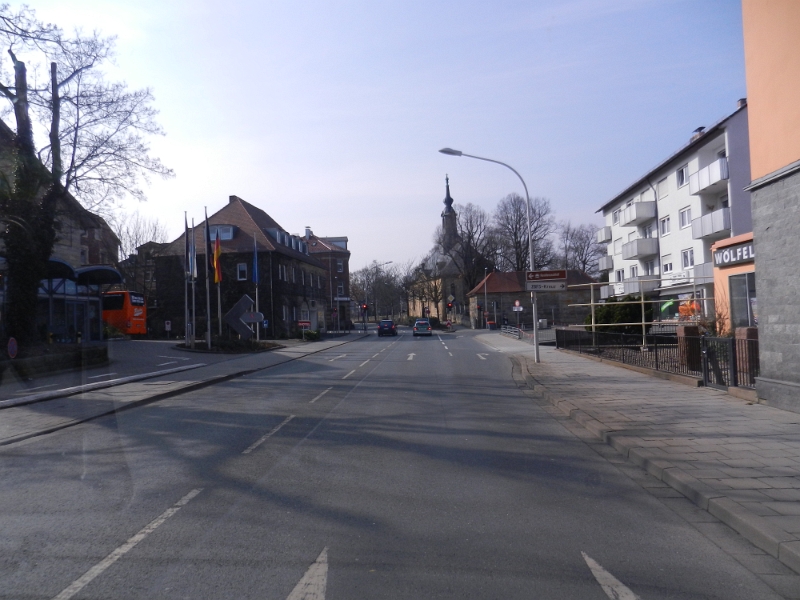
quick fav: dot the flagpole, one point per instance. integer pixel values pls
(256, 278)
(219, 308)
(186, 283)
(194, 296)
(207, 245)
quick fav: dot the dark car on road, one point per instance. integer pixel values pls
(422, 327)
(387, 327)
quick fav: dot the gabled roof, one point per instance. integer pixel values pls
(250, 222)
(513, 282)
(693, 143)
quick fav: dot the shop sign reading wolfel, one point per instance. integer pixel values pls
(734, 255)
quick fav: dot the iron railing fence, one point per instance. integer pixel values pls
(720, 362)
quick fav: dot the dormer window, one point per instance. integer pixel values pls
(225, 232)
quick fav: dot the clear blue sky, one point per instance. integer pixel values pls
(330, 114)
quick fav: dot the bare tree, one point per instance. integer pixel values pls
(97, 144)
(476, 248)
(579, 248)
(134, 230)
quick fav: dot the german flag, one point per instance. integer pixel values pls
(217, 265)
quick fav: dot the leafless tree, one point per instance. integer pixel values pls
(476, 248)
(510, 223)
(579, 248)
(134, 230)
(97, 144)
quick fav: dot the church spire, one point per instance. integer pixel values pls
(448, 201)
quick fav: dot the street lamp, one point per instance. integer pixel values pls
(451, 152)
(485, 302)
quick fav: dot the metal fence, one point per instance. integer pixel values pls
(719, 362)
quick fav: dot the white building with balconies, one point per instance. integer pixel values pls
(659, 230)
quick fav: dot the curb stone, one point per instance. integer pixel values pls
(761, 533)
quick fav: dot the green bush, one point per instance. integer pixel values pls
(614, 311)
(310, 335)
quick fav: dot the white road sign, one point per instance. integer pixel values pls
(546, 286)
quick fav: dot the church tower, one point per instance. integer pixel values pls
(449, 226)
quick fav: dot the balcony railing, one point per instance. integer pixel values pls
(640, 284)
(638, 212)
(604, 235)
(606, 291)
(640, 248)
(712, 178)
(606, 263)
(714, 224)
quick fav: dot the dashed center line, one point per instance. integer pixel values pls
(171, 362)
(321, 395)
(348, 375)
(173, 357)
(269, 435)
(446, 348)
(365, 362)
(336, 357)
(375, 355)
(450, 353)
(97, 570)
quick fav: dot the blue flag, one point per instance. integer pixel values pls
(255, 260)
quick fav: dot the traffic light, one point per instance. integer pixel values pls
(449, 306)
(480, 307)
(364, 307)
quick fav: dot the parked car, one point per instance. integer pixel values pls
(387, 327)
(422, 327)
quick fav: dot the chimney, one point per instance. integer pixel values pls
(697, 133)
(232, 199)
(309, 233)
(741, 103)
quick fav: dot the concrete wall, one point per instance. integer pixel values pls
(772, 63)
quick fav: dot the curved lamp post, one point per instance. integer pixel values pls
(451, 152)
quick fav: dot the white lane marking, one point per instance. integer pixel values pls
(336, 357)
(411, 356)
(375, 355)
(450, 353)
(446, 348)
(175, 357)
(97, 570)
(365, 362)
(171, 362)
(104, 375)
(321, 395)
(312, 585)
(348, 375)
(481, 356)
(264, 438)
(383, 349)
(612, 586)
(41, 387)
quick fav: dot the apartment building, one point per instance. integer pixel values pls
(660, 229)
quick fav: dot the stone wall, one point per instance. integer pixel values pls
(776, 229)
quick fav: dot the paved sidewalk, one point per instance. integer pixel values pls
(738, 460)
(18, 423)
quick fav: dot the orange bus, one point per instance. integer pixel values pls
(126, 311)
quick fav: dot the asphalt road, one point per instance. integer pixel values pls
(385, 468)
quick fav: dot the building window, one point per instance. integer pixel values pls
(634, 271)
(687, 258)
(664, 226)
(661, 186)
(319, 281)
(302, 276)
(225, 232)
(615, 217)
(617, 246)
(685, 217)
(723, 200)
(648, 231)
(619, 274)
(744, 311)
(340, 289)
(285, 312)
(666, 264)
(241, 271)
(339, 265)
(632, 236)
(294, 275)
(682, 175)
(304, 314)
(650, 267)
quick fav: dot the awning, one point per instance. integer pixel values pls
(98, 275)
(58, 269)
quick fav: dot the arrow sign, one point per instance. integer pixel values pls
(411, 356)
(546, 286)
(234, 317)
